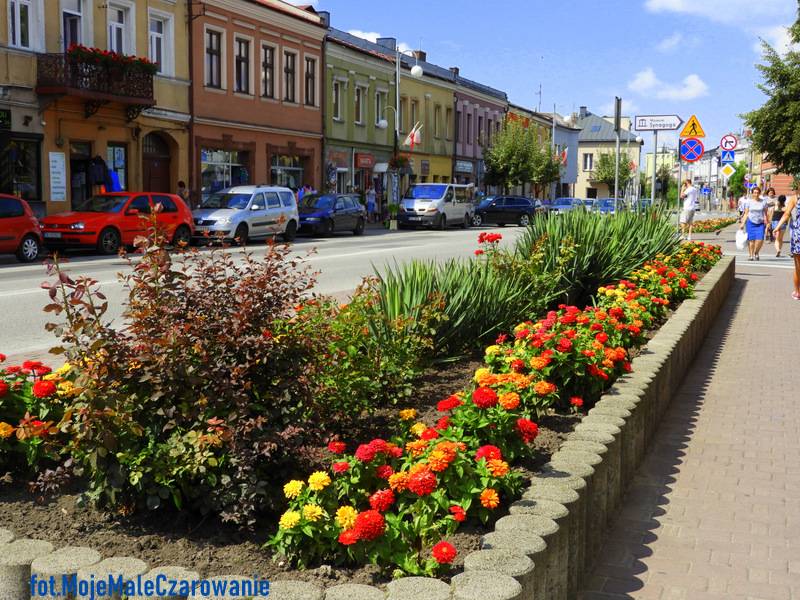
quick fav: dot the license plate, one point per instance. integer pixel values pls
(52, 234)
(415, 218)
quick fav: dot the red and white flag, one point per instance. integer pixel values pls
(414, 136)
(564, 156)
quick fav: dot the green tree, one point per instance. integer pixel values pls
(736, 181)
(545, 168)
(776, 125)
(664, 179)
(605, 172)
(517, 156)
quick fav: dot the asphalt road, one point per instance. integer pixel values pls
(342, 260)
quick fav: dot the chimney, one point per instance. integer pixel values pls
(455, 71)
(420, 55)
(583, 112)
(387, 42)
(325, 16)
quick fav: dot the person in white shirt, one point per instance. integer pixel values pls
(690, 195)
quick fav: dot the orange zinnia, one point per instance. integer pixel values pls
(490, 499)
(417, 447)
(498, 468)
(398, 481)
(438, 461)
(543, 388)
(509, 400)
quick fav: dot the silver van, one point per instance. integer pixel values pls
(437, 205)
(246, 212)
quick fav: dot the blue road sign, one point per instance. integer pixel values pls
(692, 150)
(706, 190)
(728, 157)
(749, 185)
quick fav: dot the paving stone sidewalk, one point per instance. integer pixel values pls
(714, 511)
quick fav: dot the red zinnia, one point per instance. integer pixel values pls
(564, 344)
(337, 447)
(601, 337)
(442, 424)
(348, 538)
(458, 514)
(444, 553)
(43, 389)
(3, 357)
(30, 364)
(518, 365)
(379, 445)
(429, 434)
(449, 403)
(478, 252)
(3, 388)
(369, 525)
(41, 370)
(384, 472)
(576, 401)
(528, 430)
(381, 500)
(489, 453)
(340, 467)
(365, 453)
(422, 482)
(484, 397)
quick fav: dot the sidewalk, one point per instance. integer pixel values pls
(714, 511)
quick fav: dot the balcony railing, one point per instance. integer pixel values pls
(61, 74)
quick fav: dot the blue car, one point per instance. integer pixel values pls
(607, 206)
(561, 206)
(329, 213)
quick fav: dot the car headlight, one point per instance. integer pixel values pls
(79, 225)
(311, 219)
(224, 221)
(432, 209)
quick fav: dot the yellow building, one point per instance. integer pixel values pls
(93, 111)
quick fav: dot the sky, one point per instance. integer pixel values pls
(679, 57)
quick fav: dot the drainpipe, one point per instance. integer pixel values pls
(192, 165)
(455, 137)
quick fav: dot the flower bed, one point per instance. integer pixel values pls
(711, 225)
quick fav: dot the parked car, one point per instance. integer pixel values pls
(19, 230)
(247, 212)
(437, 205)
(607, 206)
(564, 205)
(109, 221)
(328, 213)
(588, 204)
(507, 209)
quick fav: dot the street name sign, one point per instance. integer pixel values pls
(728, 157)
(693, 129)
(692, 149)
(657, 122)
(727, 170)
(729, 142)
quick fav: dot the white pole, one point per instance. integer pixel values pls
(655, 168)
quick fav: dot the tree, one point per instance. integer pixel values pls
(605, 172)
(518, 156)
(776, 125)
(736, 181)
(664, 179)
(546, 169)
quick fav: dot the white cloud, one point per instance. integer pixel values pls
(647, 84)
(742, 12)
(670, 43)
(373, 36)
(777, 37)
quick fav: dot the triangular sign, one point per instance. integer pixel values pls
(693, 129)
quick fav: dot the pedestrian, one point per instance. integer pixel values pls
(183, 193)
(775, 215)
(771, 200)
(791, 215)
(754, 221)
(371, 206)
(689, 195)
(741, 205)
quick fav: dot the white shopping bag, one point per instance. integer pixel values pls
(741, 239)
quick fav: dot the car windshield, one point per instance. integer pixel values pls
(103, 204)
(486, 202)
(317, 202)
(226, 200)
(426, 191)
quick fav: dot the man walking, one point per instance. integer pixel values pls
(690, 196)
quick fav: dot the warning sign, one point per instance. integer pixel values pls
(693, 129)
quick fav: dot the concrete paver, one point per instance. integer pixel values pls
(713, 511)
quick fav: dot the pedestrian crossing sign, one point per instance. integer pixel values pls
(728, 157)
(728, 170)
(693, 129)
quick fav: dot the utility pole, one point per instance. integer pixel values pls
(655, 168)
(617, 128)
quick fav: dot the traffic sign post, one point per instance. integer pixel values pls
(656, 123)
(729, 142)
(692, 149)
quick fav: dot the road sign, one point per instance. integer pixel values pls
(729, 142)
(706, 190)
(727, 170)
(693, 129)
(728, 157)
(658, 122)
(692, 149)
(749, 185)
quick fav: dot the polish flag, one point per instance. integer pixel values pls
(414, 136)
(564, 156)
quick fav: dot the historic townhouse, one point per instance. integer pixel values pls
(257, 96)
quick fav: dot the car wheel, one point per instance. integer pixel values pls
(109, 242)
(241, 235)
(359, 230)
(29, 249)
(477, 221)
(524, 220)
(466, 223)
(442, 224)
(182, 237)
(328, 227)
(291, 232)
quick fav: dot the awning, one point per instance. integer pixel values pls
(380, 167)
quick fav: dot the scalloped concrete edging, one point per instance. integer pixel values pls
(549, 541)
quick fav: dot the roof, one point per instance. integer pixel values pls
(560, 121)
(597, 129)
(304, 12)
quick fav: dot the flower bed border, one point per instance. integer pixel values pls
(547, 545)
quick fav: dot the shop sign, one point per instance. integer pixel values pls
(5, 119)
(425, 167)
(463, 166)
(339, 158)
(58, 177)
(364, 161)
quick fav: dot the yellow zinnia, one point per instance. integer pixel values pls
(312, 512)
(292, 489)
(289, 519)
(408, 414)
(482, 373)
(346, 517)
(418, 428)
(5, 430)
(493, 350)
(318, 481)
(64, 369)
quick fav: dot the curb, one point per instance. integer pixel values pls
(547, 545)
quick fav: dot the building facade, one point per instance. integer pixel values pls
(257, 95)
(359, 84)
(565, 145)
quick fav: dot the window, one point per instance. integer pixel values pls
(311, 81)
(160, 42)
(469, 128)
(72, 24)
(10, 208)
(488, 132)
(402, 115)
(117, 161)
(588, 162)
(20, 23)
(20, 167)
(337, 100)
(437, 118)
(222, 169)
(290, 76)
(287, 199)
(479, 133)
(458, 126)
(339, 204)
(378, 107)
(359, 108)
(140, 203)
(448, 129)
(414, 113)
(242, 81)
(213, 59)
(166, 203)
(116, 30)
(273, 201)
(267, 71)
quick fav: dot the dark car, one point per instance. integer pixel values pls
(506, 209)
(19, 229)
(328, 213)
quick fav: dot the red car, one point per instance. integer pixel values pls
(19, 229)
(109, 221)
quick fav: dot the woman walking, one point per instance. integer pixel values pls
(775, 215)
(792, 215)
(754, 221)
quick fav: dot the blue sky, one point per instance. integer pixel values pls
(661, 56)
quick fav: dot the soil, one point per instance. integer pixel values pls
(211, 547)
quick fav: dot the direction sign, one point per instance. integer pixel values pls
(693, 129)
(657, 122)
(729, 142)
(728, 157)
(727, 170)
(692, 149)
(706, 191)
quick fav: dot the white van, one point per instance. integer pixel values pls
(437, 205)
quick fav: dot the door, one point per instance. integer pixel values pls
(463, 205)
(288, 208)
(514, 208)
(155, 164)
(257, 217)
(356, 210)
(449, 205)
(168, 215)
(133, 225)
(494, 212)
(274, 213)
(341, 218)
(13, 222)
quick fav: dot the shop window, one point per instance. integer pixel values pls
(290, 76)
(311, 82)
(267, 71)
(117, 161)
(242, 83)
(287, 171)
(20, 168)
(213, 59)
(222, 169)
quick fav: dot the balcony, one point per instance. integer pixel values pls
(97, 84)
